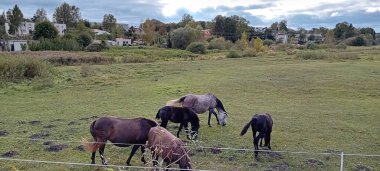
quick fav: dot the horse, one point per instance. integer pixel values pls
(202, 103)
(180, 115)
(121, 132)
(263, 124)
(170, 148)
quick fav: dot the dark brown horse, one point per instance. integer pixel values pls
(171, 149)
(263, 124)
(121, 132)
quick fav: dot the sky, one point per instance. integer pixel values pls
(260, 13)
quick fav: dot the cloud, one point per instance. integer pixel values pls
(334, 14)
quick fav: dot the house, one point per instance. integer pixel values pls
(281, 37)
(17, 45)
(206, 34)
(61, 28)
(123, 42)
(100, 32)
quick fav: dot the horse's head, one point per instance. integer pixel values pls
(193, 134)
(222, 117)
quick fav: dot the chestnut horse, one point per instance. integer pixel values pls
(171, 149)
(121, 132)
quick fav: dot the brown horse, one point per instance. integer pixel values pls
(263, 124)
(164, 144)
(121, 132)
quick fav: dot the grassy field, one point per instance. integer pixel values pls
(318, 106)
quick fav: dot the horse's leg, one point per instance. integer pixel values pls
(93, 157)
(101, 152)
(267, 141)
(216, 115)
(179, 129)
(133, 151)
(186, 126)
(142, 154)
(256, 144)
(164, 122)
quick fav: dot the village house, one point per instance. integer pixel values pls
(27, 29)
(206, 34)
(123, 42)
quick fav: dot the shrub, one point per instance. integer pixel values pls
(233, 54)
(341, 45)
(218, 43)
(249, 53)
(268, 42)
(80, 60)
(84, 39)
(95, 47)
(311, 45)
(181, 38)
(54, 44)
(45, 30)
(258, 45)
(196, 47)
(15, 69)
(312, 55)
(356, 41)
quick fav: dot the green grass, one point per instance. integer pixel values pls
(317, 106)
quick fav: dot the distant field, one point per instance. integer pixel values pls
(318, 106)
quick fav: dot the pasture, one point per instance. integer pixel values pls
(318, 106)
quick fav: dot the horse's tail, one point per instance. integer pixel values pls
(245, 128)
(176, 102)
(91, 146)
(158, 114)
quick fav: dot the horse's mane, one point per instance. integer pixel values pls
(219, 103)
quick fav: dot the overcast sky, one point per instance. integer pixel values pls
(298, 13)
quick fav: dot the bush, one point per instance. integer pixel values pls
(218, 43)
(15, 69)
(95, 47)
(45, 30)
(54, 44)
(258, 45)
(341, 45)
(233, 54)
(311, 45)
(84, 40)
(181, 38)
(313, 55)
(80, 60)
(249, 53)
(268, 42)
(357, 41)
(196, 47)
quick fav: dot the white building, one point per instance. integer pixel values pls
(281, 37)
(17, 45)
(100, 32)
(123, 42)
(61, 28)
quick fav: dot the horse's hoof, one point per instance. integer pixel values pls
(93, 162)
(209, 126)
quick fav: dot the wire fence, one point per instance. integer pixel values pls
(193, 144)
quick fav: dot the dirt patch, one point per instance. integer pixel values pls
(271, 154)
(280, 167)
(215, 150)
(3, 133)
(74, 123)
(39, 135)
(21, 122)
(9, 154)
(56, 147)
(79, 148)
(314, 162)
(48, 143)
(34, 122)
(49, 126)
(362, 168)
(57, 120)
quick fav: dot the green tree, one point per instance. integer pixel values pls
(369, 31)
(3, 33)
(45, 30)
(186, 19)
(84, 39)
(119, 32)
(344, 30)
(109, 22)
(148, 27)
(39, 16)
(180, 38)
(15, 17)
(282, 26)
(67, 14)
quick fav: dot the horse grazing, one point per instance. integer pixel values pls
(170, 148)
(121, 132)
(180, 115)
(261, 123)
(202, 103)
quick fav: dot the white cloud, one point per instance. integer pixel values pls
(372, 9)
(335, 14)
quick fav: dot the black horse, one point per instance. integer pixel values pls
(180, 115)
(261, 123)
(121, 132)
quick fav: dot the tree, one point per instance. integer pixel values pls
(282, 26)
(219, 22)
(67, 14)
(344, 30)
(3, 33)
(39, 16)
(148, 27)
(244, 40)
(119, 31)
(45, 29)
(84, 39)
(274, 26)
(15, 17)
(370, 31)
(109, 22)
(186, 19)
(180, 38)
(330, 38)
